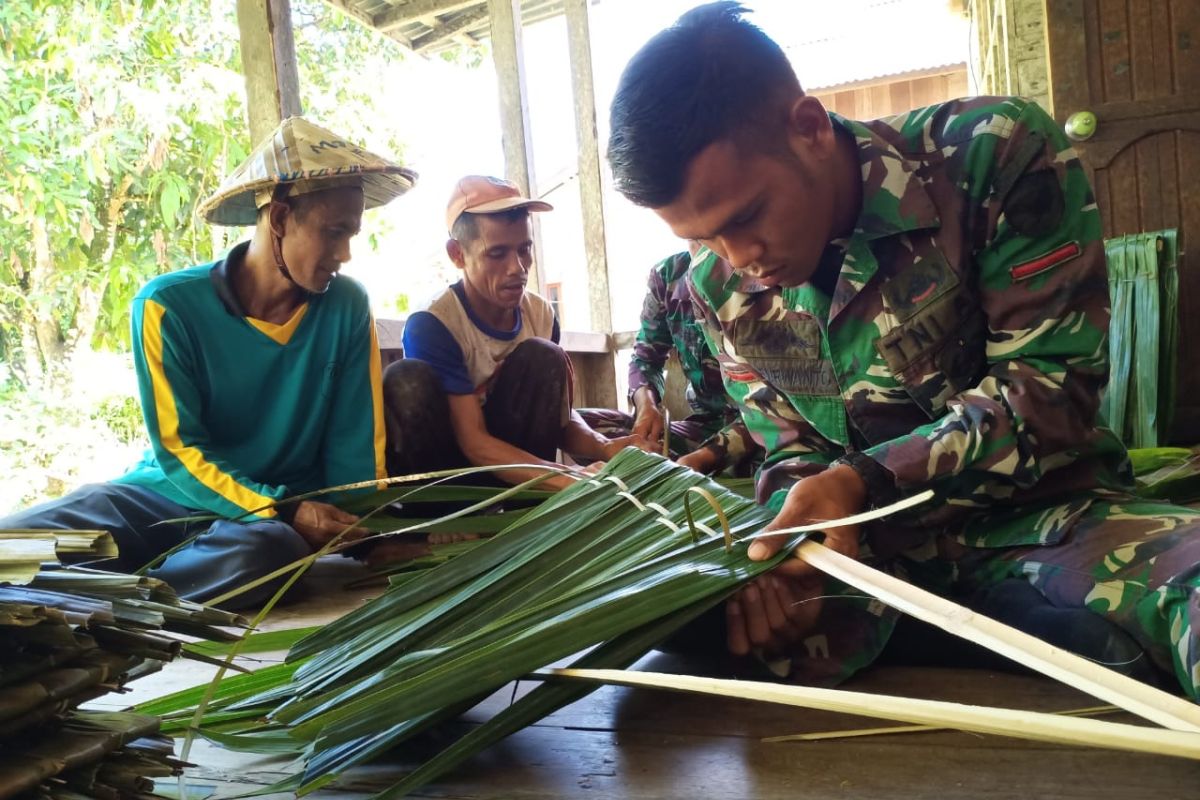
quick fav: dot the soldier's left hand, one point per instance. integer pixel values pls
(835, 493)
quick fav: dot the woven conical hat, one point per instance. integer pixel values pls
(301, 153)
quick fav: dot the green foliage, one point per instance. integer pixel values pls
(121, 116)
(55, 435)
(123, 416)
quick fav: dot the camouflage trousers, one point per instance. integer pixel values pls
(1136, 563)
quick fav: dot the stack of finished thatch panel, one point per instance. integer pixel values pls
(68, 636)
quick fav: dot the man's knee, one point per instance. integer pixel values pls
(278, 544)
(411, 383)
(539, 355)
(230, 555)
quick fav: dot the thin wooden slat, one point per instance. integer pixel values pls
(1123, 194)
(900, 96)
(1184, 20)
(1166, 176)
(1141, 24)
(855, 733)
(1114, 51)
(1090, 90)
(1120, 690)
(1150, 190)
(1160, 31)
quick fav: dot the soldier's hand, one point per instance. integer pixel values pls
(319, 522)
(703, 460)
(771, 613)
(837, 492)
(618, 444)
(648, 423)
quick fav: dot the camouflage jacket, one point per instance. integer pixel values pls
(669, 324)
(964, 346)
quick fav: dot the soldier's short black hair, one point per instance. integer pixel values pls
(466, 228)
(710, 76)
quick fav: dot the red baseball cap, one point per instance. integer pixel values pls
(482, 194)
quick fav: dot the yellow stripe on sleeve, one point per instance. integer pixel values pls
(192, 459)
(377, 402)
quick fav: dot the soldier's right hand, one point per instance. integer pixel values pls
(319, 522)
(772, 613)
(647, 417)
(648, 423)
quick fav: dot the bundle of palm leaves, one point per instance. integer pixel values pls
(611, 566)
(70, 635)
(1144, 291)
(608, 569)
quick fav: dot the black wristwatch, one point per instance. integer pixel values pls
(879, 480)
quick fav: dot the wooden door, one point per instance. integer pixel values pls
(1136, 65)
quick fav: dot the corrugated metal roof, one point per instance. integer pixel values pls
(858, 41)
(844, 41)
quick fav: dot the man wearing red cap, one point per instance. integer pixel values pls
(484, 381)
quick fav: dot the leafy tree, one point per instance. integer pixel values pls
(121, 115)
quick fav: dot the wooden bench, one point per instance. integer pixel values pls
(591, 354)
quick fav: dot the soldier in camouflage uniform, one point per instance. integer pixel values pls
(914, 302)
(668, 324)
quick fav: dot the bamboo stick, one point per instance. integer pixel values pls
(851, 733)
(1032, 725)
(1133, 696)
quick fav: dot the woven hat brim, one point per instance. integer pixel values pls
(236, 206)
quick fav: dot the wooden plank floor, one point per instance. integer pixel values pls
(631, 743)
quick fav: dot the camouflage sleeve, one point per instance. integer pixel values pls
(730, 445)
(654, 342)
(1042, 288)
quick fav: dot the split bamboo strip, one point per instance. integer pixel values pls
(1120, 690)
(854, 519)
(1031, 725)
(852, 733)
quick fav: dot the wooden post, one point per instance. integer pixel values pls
(508, 57)
(591, 192)
(269, 64)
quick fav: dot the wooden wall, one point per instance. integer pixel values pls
(883, 99)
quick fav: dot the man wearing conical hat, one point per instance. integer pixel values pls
(254, 372)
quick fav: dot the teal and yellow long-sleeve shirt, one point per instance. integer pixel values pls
(242, 412)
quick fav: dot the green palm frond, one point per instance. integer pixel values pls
(609, 565)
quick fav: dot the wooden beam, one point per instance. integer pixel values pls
(591, 193)
(349, 9)
(268, 63)
(516, 136)
(441, 31)
(412, 11)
